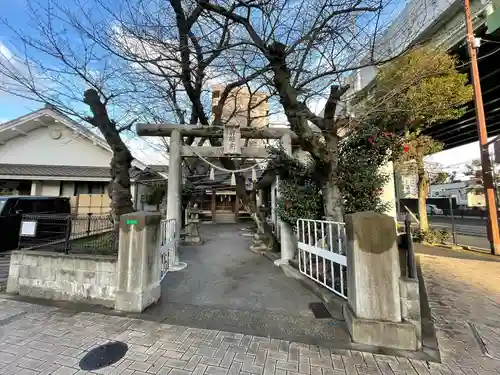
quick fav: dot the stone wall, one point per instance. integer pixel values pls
(80, 278)
(410, 304)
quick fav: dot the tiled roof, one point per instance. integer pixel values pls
(54, 170)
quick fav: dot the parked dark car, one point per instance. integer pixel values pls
(49, 212)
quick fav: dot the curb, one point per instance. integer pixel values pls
(478, 250)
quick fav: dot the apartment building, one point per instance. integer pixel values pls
(243, 106)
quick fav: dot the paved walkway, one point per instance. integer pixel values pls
(227, 287)
(223, 272)
(462, 288)
(464, 296)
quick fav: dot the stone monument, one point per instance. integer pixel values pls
(193, 227)
(374, 313)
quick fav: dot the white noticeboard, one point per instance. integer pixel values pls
(28, 228)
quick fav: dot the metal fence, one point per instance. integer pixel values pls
(322, 253)
(406, 252)
(85, 234)
(477, 213)
(167, 241)
(464, 231)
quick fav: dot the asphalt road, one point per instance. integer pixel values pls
(468, 226)
(469, 231)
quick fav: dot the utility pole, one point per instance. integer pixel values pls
(494, 236)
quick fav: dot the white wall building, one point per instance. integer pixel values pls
(462, 191)
(46, 153)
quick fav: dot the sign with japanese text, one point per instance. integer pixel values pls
(232, 140)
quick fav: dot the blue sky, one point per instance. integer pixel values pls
(11, 106)
(15, 13)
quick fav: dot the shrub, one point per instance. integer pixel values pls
(431, 236)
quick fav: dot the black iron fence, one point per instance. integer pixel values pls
(85, 234)
(478, 213)
(406, 252)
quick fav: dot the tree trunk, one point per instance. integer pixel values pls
(423, 184)
(119, 187)
(250, 206)
(121, 162)
(332, 197)
(308, 140)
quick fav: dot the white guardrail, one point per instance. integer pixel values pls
(322, 253)
(167, 241)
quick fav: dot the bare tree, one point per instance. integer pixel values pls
(127, 61)
(185, 52)
(307, 46)
(153, 61)
(48, 66)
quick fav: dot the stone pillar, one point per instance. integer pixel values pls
(236, 207)
(373, 312)
(138, 268)
(288, 241)
(36, 188)
(389, 189)
(193, 227)
(174, 206)
(214, 209)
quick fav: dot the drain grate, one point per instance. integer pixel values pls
(103, 356)
(319, 310)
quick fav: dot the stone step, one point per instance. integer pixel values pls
(225, 218)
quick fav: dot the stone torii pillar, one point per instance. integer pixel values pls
(288, 242)
(174, 196)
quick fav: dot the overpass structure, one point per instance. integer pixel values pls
(442, 22)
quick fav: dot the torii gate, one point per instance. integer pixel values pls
(232, 135)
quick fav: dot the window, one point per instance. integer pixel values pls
(25, 206)
(90, 188)
(82, 188)
(216, 94)
(45, 206)
(62, 206)
(67, 189)
(3, 202)
(97, 188)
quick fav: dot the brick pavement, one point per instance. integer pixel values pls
(48, 340)
(4, 269)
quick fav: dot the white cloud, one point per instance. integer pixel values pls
(5, 52)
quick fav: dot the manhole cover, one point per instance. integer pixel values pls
(103, 356)
(319, 310)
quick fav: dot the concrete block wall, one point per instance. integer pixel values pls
(75, 277)
(410, 303)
